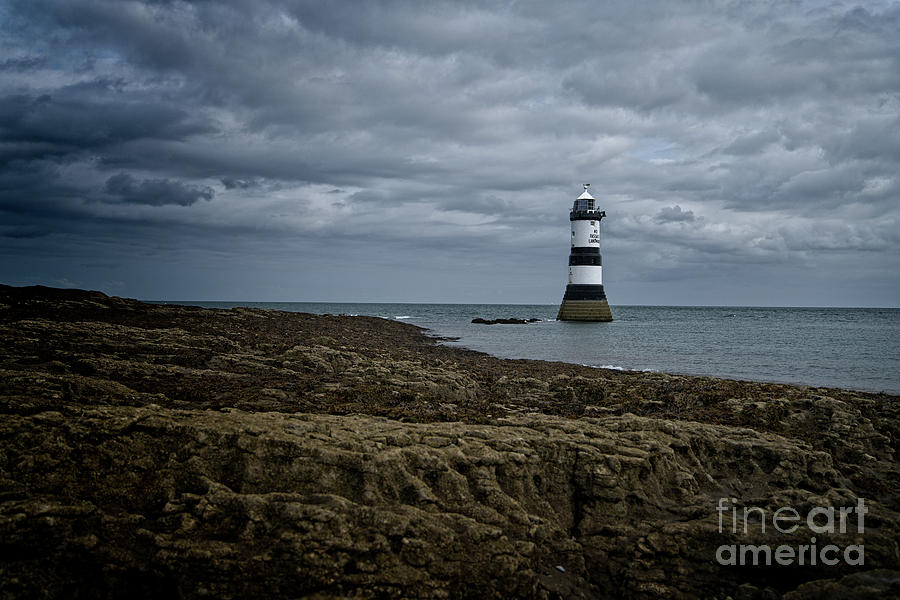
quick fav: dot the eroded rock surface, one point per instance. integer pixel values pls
(166, 451)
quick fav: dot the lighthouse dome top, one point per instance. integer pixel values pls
(585, 195)
(583, 209)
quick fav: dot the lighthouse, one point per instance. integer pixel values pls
(585, 299)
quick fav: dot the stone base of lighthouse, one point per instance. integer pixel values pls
(584, 303)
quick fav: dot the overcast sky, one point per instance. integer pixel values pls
(746, 153)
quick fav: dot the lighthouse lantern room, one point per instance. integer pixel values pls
(585, 299)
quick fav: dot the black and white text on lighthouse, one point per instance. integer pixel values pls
(585, 299)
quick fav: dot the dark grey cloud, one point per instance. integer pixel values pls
(433, 133)
(23, 232)
(155, 192)
(233, 183)
(674, 214)
(78, 120)
(23, 63)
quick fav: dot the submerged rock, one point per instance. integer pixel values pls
(506, 321)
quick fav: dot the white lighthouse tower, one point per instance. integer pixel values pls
(585, 299)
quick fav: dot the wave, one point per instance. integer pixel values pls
(618, 368)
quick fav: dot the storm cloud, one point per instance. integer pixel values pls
(155, 192)
(674, 214)
(406, 151)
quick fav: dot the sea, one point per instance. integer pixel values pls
(850, 348)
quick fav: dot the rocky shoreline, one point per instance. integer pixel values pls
(173, 451)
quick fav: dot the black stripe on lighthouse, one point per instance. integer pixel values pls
(585, 259)
(576, 291)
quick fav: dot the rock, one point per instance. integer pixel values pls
(504, 321)
(869, 585)
(169, 451)
(179, 499)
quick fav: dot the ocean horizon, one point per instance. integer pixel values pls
(856, 348)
